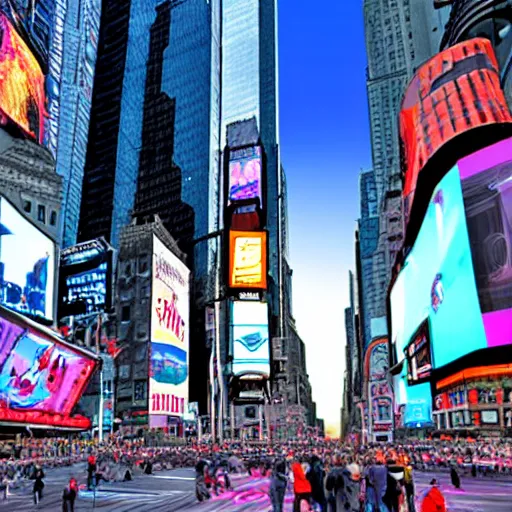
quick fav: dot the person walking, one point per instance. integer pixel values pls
(316, 477)
(409, 488)
(434, 500)
(349, 490)
(301, 486)
(37, 490)
(278, 483)
(69, 496)
(91, 470)
(376, 484)
(455, 478)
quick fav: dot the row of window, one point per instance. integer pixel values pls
(41, 213)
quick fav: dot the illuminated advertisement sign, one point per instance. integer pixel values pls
(486, 178)
(248, 260)
(419, 359)
(22, 84)
(245, 176)
(168, 383)
(250, 339)
(27, 265)
(85, 278)
(41, 377)
(457, 90)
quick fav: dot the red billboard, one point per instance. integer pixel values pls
(454, 92)
(41, 376)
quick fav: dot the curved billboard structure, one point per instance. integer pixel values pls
(452, 94)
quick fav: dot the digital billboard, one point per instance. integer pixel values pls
(453, 93)
(27, 265)
(437, 282)
(168, 383)
(250, 339)
(245, 174)
(41, 377)
(85, 278)
(248, 260)
(418, 354)
(486, 178)
(22, 84)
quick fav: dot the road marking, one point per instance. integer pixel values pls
(188, 478)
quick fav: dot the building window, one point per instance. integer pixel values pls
(53, 218)
(125, 314)
(27, 206)
(41, 213)
(139, 390)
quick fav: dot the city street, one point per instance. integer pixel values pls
(174, 491)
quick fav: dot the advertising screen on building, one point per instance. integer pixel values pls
(245, 174)
(85, 279)
(248, 260)
(486, 178)
(437, 282)
(22, 86)
(168, 383)
(419, 358)
(250, 339)
(27, 265)
(41, 377)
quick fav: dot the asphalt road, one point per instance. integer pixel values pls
(173, 491)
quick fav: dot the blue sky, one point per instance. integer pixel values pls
(325, 142)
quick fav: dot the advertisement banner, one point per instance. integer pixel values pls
(250, 339)
(85, 279)
(27, 265)
(168, 383)
(245, 176)
(248, 260)
(40, 374)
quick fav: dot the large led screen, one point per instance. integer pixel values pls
(248, 260)
(168, 383)
(245, 177)
(27, 265)
(22, 83)
(437, 282)
(487, 189)
(85, 279)
(39, 373)
(250, 339)
(419, 357)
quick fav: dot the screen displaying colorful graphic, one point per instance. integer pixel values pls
(456, 91)
(248, 260)
(27, 265)
(487, 189)
(39, 372)
(168, 383)
(22, 86)
(437, 282)
(419, 358)
(85, 279)
(250, 338)
(245, 176)
(418, 409)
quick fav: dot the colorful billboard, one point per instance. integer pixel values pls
(245, 174)
(418, 355)
(168, 383)
(22, 87)
(250, 339)
(41, 377)
(454, 92)
(486, 178)
(85, 278)
(27, 265)
(248, 260)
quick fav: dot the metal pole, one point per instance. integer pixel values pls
(232, 417)
(212, 396)
(102, 403)
(220, 379)
(260, 414)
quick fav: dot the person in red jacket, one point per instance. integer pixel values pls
(434, 500)
(301, 486)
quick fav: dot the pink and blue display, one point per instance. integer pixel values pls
(38, 373)
(245, 179)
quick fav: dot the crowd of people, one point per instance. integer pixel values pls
(324, 475)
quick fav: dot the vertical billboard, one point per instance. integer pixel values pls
(41, 377)
(85, 278)
(168, 383)
(22, 84)
(245, 179)
(247, 260)
(486, 178)
(250, 339)
(27, 265)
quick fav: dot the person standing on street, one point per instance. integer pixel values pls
(69, 496)
(301, 486)
(278, 483)
(38, 476)
(455, 477)
(434, 500)
(316, 477)
(91, 470)
(409, 487)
